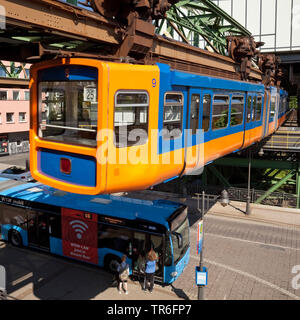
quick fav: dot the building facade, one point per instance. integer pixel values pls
(14, 112)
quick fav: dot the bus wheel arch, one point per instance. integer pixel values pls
(15, 238)
(111, 262)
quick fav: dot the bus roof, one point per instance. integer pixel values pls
(116, 206)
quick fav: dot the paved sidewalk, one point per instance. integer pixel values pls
(260, 213)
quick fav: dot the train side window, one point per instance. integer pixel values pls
(253, 108)
(237, 110)
(194, 113)
(206, 112)
(220, 112)
(172, 116)
(258, 109)
(249, 102)
(131, 118)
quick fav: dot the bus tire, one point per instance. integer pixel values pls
(111, 262)
(15, 238)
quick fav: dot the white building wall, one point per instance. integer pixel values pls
(275, 22)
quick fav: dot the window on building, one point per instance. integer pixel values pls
(2, 73)
(27, 72)
(16, 95)
(22, 116)
(258, 109)
(194, 116)
(131, 113)
(249, 105)
(220, 112)
(9, 117)
(3, 95)
(172, 116)
(206, 112)
(26, 95)
(237, 110)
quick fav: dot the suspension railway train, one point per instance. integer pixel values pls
(103, 127)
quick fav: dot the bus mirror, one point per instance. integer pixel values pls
(179, 239)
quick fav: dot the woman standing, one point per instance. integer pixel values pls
(150, 270)
(123, 270)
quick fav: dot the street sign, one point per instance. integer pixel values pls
(199, 236)
(2, 283)
(201, 276)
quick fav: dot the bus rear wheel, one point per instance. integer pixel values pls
(111, 263)
(15, 238)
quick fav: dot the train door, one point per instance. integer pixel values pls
(277, 110)
(38, 229)
(248, 119)
(206, 117)
(267, 119)
(194, 136)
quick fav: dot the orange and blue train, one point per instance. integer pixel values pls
(104, 127)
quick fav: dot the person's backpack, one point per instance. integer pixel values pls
(124, 274)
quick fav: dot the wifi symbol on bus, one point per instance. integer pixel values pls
(79, 227)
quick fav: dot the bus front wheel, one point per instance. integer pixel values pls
(15, 238)
(111, 263)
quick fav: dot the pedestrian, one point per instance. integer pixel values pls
(123, 270)
(150, 270)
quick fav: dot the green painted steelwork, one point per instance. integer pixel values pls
(193, 20)
(220, 177)
(276, 186)
(256, 163)
(14, 71)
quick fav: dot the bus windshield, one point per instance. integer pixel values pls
(184, 231)
(68, 111)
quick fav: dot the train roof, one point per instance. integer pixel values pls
(112, 205)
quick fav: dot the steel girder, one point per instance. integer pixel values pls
(193, 20)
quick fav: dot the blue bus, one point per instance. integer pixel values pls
(96, 229)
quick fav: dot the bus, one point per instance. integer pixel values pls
(96, 229)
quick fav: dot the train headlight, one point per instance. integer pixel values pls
(174, 274)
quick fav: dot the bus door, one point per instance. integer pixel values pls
(141, 245)
(38, 230)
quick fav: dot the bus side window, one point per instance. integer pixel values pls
(206, 112)
(13, 215)
(194, 113)
(113, 238)
(249, 102)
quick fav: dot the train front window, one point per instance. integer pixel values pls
(68, 112)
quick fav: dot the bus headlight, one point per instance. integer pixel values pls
(174, 274)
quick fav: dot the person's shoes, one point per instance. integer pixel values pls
(126, 292)
(120, 292)
(150, 291)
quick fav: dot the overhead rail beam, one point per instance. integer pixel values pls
(56, 16)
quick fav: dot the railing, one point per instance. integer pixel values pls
(279, 199)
